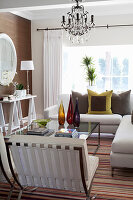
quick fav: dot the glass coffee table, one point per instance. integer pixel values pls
(84, 130)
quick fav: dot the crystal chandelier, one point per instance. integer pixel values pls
(77, 23)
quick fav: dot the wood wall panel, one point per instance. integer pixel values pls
(19, 29)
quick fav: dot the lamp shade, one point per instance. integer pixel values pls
(27, 65)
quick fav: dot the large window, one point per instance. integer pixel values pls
(114, 68)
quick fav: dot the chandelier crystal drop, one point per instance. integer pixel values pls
(77, 23)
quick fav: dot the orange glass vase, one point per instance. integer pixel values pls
(61, 114)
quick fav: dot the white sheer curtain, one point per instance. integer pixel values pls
(52, 60)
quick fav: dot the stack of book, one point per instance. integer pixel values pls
(71, 133)
(40, 131)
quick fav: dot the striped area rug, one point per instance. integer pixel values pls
(106, 187)
(118, 187)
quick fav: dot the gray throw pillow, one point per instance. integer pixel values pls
(120, 103)
(82, 102)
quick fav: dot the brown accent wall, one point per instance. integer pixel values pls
(19, 29)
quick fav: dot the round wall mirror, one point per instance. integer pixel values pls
(8, 60)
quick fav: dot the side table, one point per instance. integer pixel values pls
(15, 113)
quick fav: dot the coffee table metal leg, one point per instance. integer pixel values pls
(98, 142)
(98, 145)
(99, 134)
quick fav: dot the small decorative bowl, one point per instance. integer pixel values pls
(42, 122)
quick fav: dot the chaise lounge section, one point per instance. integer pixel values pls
(122, 146)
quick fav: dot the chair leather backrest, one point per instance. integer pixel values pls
(49, 161)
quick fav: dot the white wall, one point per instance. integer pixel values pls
(102, 36)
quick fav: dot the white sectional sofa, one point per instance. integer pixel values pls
(122, 146)
(109, 123)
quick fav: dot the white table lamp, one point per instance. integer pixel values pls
(27, 65)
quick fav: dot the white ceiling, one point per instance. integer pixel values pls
(50, 9)
(12, 4)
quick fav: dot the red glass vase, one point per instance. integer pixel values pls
(70, 112)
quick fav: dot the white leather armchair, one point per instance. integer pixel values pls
(61, 163)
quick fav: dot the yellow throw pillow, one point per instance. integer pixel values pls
(99, 103)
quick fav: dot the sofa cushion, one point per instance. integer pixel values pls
(83, 101)
(113, 119)
(123, 141)
(120, 160)
(103, 119)
(101, 102)
(120, 103)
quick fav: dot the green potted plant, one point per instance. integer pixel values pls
(90, 69)
(20, 91)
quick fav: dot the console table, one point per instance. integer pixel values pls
(15, 113)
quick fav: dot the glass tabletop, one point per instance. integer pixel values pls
(84, 130)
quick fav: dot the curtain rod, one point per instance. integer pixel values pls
(48, 29)
(100, 26)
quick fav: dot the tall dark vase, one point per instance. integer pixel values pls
(76, 116)
(70, 112)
